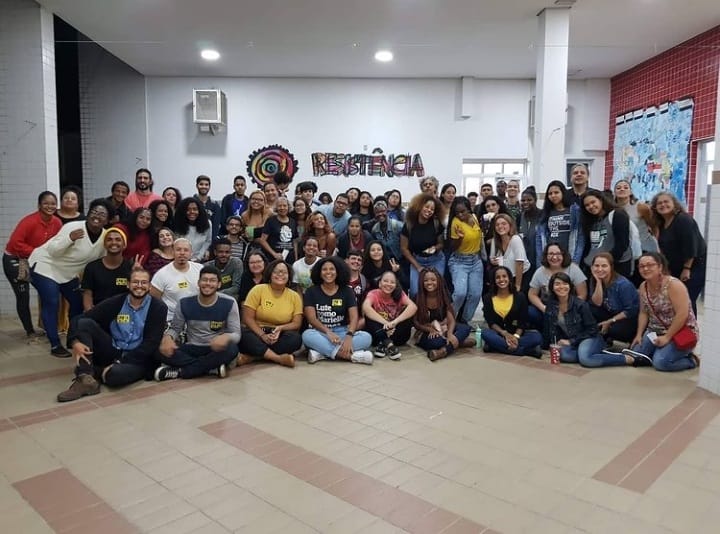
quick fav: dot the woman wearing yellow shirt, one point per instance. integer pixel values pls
(465, 264)
(506, 315)
(272, 316)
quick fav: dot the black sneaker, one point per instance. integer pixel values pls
(380, 351)
(639, 359)
(60, 352)
(220, 372)
(165, 372)
(392, 351)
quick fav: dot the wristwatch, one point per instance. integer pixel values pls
(350, 333)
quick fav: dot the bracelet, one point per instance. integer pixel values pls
(516, 335)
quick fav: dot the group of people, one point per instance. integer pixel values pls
(169, 287)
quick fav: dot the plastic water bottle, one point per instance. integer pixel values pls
(478, 338)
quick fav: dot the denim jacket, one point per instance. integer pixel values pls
(620, 296)
(579, 322)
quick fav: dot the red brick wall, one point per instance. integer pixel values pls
(687, 70)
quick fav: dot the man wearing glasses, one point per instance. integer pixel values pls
(116, 341)
(337, 213)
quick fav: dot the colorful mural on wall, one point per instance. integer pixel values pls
(651, 149)
(266, 162)
(373, 164)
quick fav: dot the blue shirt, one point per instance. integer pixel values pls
(339, 224)
(127, 327)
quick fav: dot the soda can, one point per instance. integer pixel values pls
(555, 354)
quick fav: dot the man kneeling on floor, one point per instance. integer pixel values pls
(211, 321)
(116, 341)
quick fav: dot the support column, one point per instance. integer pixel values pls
(709, 335)
(28, 117)
(548, 160)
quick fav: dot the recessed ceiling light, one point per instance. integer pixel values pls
(383, 56)
(210, 55)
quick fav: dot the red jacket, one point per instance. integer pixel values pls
(31, 232)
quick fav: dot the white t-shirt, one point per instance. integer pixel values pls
(174, 284)
(515, 252)
(301, 272)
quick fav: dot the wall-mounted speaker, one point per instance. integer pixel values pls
(209, 107)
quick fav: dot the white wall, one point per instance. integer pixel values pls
(28, 117)
(112, 120)
(341, 115)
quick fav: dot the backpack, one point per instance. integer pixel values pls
(635, 244)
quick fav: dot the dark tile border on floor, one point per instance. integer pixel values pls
(69, 506)
(386, 502)
(646, 459)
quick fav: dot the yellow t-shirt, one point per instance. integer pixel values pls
(271, 310)
(472, 238)
(502, 305)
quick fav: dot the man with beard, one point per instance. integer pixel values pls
(177, 279)
(116, 341)
(337, 213)
(579, 177)
(386, 230)
(211, 321)
(211, 207)
(109, 275)
(143, 194)
(230, 268)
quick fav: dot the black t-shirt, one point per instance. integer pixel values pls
(280, 234)
(331, 310)
(422, 236)
(558, 227)
(105, 283)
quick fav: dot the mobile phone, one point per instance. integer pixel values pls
(652, 336)
(268, 329)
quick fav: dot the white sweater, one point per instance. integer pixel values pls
(61, 259)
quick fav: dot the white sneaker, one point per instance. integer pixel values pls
(362, 356)
(314, 356)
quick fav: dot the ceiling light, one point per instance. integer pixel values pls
(210, 55)
(383, 56)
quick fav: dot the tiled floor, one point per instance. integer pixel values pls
(473, 443)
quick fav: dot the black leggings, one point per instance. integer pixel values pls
(288, 342)
(21, 290)
(399, 337)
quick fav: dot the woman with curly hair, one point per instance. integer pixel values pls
(173, 197)
(465, 263)
(331, 311)
(421, 238)
(162, 215)
(140, 236)
(191, 222)
(321, 230)
(440, 335)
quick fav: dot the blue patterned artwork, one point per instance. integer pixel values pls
(651, 149)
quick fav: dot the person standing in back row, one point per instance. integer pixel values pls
(143, 194)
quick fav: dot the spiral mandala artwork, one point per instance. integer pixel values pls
(266, 162)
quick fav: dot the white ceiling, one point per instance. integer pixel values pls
(337, 38)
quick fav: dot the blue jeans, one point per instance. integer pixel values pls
(49, 292)
(316, 340)
(528, 342)
(462, 331)
(535, 317)
(668, 358)
(584, 352)
(467, 276)
(437, 260)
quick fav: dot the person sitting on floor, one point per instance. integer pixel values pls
(116, 341)
(177, 279)
(506, 315)
(388, 316)
(211, 321)
(331, 311)
(272, 317)
(440, 335)
(614, 301)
